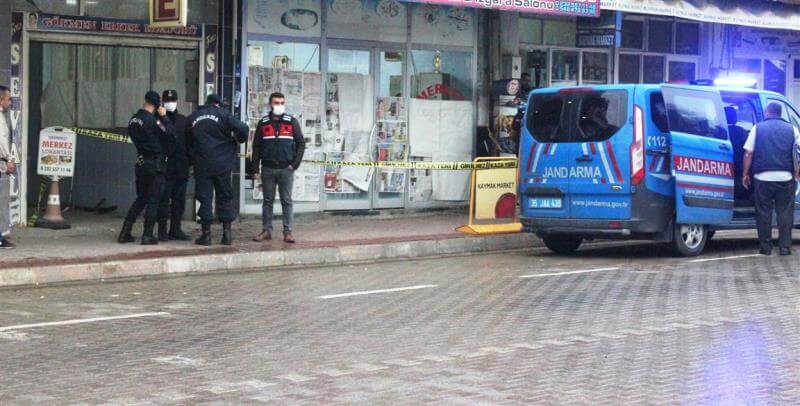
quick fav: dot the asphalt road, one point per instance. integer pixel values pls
(616, 323)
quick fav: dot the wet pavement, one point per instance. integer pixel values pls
(618, 323)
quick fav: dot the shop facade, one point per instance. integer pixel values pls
(369, 81)
(87, 64)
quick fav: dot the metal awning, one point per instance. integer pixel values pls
(752, 13)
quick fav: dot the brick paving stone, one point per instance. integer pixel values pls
(660, 330)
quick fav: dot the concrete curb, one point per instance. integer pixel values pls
(262, 260)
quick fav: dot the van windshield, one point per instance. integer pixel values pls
(589, 116)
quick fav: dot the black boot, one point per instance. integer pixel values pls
(125, 234)
(175, 232)
(204, 239)
(163, 235)
(147, 235)
(227, 238)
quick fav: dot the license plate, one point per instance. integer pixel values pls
(544, 203)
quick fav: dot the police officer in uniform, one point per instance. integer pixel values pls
(278, 148)
(151, 131)
(213, 138)
(173, 201)
(771, 152)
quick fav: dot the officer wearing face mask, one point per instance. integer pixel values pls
(278, 148)
(151, 131)
(213, 138)
(173, 201)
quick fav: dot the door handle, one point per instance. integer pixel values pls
(724, 147)
(584, 158)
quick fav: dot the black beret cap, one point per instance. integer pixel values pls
(169, 95)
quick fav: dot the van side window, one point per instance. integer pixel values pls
(693, 112)
(544, 122)
(788, 113)
(658, 112)
(746, 116)
(580, 116)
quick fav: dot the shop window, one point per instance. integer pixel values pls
(775, 75)
(348, 61)
(681, 72)
(653, 69)
(96, 86)
(46, 6)
(632, 34)
(536, 66)
(129, 9)
(442, 25)
(560, 32)
(441, 75)
(368, 20)
(796, 69)
(292, 69)
(687, 38)
(530, 31)
(391, 74)
(595, 68)
(296, 18)
(629, 68)
(747, 65)
(659, 38)
(565, 68)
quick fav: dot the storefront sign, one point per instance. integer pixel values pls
(603, 32)
(734, 12)
(747, 42)
(575, 8)
(168, 13)
(51, 22)
(495, 194)
(56, 152)
(210, 62)
(15, 199)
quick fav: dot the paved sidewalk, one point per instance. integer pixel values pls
(89, 250)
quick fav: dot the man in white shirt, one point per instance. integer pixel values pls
(7, 167)
(771, 153)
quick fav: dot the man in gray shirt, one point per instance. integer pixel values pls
(7, 167)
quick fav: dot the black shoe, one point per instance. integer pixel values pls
(176, 234)
(147, 235)
(163, 234)
(227, 239)
(125, 234)
(786, 251)
(205, 238)
(7, 245)
(765, 252)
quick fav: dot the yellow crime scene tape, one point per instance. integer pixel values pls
(454, 166)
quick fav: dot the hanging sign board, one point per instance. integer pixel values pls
(56, 152)
(573, 8)
(764, 14)
(168, 13)
(602, 32)
(52, 22)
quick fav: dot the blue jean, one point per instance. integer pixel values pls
(283, 179)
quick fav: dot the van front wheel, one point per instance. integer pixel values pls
(689, 239)
(562, 244)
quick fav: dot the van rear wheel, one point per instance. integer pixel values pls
(689, 240)
(562, 244)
